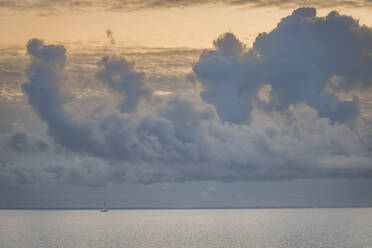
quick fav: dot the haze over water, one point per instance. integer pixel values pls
(254, 228)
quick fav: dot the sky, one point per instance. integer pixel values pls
(216, 103)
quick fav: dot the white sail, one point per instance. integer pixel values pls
(104, 209)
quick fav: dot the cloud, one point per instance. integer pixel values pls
(297, 60)
(253, 3)
(20, 142)
(53, 7)
(110, 36)
(119, 75)
(261, 115)
(230, 134)
(45, 74)
(220, 73)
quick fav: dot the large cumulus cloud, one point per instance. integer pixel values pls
(301, 58)
(263, 113)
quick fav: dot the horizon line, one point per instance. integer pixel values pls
(182, 208)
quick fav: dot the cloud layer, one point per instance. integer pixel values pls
(270, 112)
(115, 5)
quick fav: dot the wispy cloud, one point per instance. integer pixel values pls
(55, 6)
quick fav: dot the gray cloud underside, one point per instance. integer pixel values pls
(229, 133)
(304, 59)
(54, 6)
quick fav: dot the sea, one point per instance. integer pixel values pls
(189, 228)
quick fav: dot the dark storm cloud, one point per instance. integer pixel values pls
(234, 132)
(55, 6)
(299, 59)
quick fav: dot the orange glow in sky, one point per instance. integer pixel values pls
(177, 27)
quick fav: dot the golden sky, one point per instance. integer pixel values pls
(175, 27)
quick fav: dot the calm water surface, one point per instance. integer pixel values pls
(187, 228)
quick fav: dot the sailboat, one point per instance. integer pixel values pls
(104, 209)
